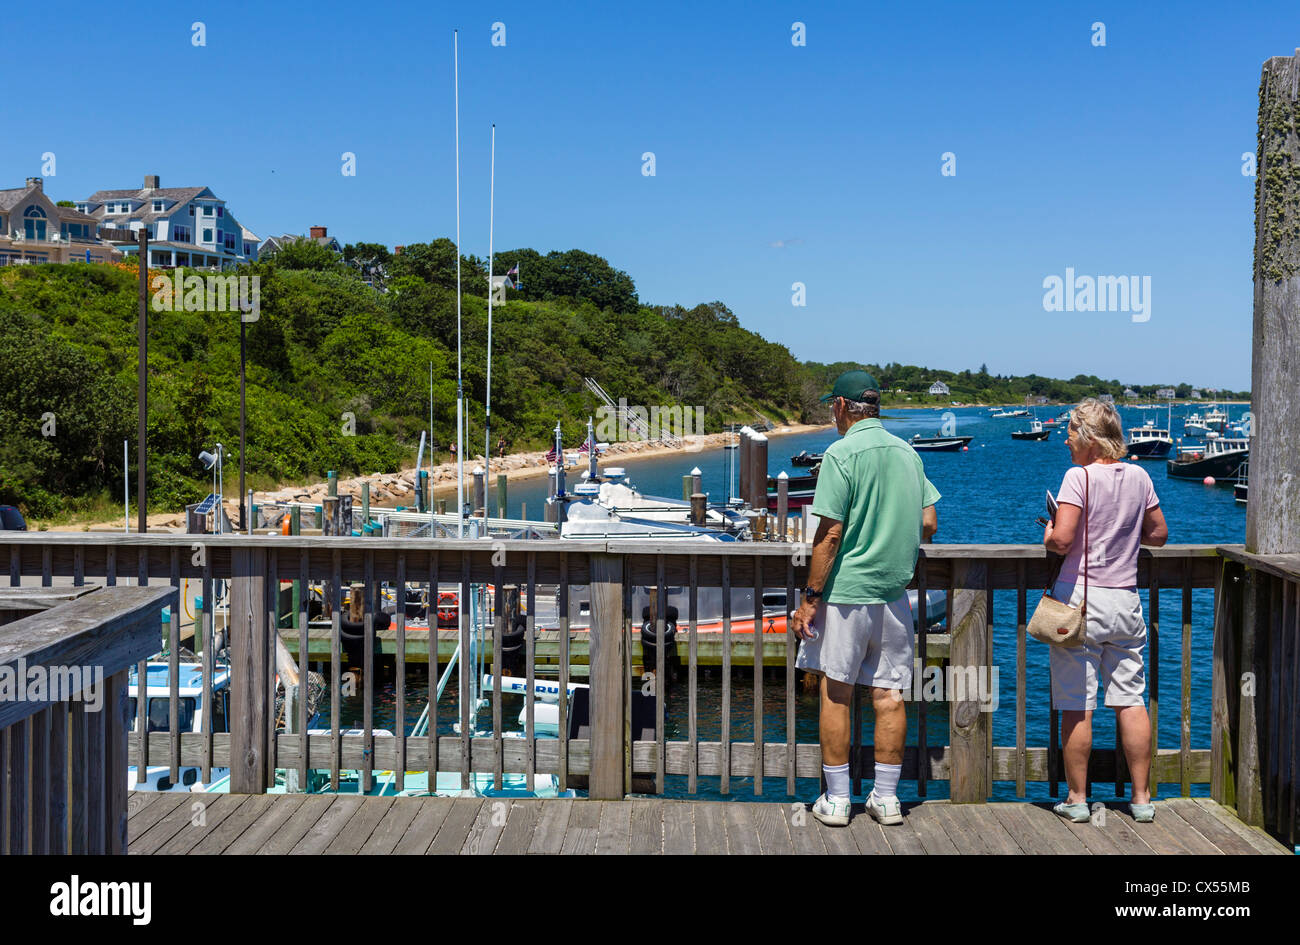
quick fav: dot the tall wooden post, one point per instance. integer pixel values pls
(970, 723)
(248, 664)
(607, 656)
(1273, 512)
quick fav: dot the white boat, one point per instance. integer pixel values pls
(190, 696)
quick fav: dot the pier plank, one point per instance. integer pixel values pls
(804, 835)
(1054, 830)
(487, 827)
(868, 834)
(960, 827)
(418, 835)
(211, 819)
(176, 819)
(710, 829)
(146, 808)
(1157, 835)
(330, 825)
(647, 827)
(268, 824)
(773, 828)
(679, 827)
(285, 837)
(1187, 832)
(390, 830)
(520, 822)
(456, 826)
(615, 832)
(930, 830)
(838, 840)
(1094, 837)
(552, 822)
(995, 835)
(1261, 841)
(580, 832)
(1208, 826)
(1012, 819)
(357, 831)
(233, 826)
(1126, 836)
(742, 830)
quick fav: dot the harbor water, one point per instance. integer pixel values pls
(991, 494)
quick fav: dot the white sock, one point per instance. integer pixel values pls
(837, 781)
(886, 780)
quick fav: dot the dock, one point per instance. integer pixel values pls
(351, 825)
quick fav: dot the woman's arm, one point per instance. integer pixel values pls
(1154, 530)
(1059, 535)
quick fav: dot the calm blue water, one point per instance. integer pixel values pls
(991, 494)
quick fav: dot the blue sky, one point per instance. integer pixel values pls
(1115, 160)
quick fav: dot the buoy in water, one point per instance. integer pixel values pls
(1209, 480)
(965, 449)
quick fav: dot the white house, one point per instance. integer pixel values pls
(1130, 393)
(188, 226)
(319, 235)
(1166, 393)
(939, 387)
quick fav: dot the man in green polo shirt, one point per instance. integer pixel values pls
(875, 507)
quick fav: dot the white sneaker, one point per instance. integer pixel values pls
(885, 810)
(834, 812)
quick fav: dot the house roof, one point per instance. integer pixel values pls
(12, 196)
(178, 194)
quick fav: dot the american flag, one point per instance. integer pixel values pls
(551, 455)
(513, 275)
(586, 446)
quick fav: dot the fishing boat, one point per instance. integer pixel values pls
(1035, 432)
(1241, 488)
(189, 714)
(938, 443)
(998, 415)
(1149, 441)
(1221, 458)
(805, 458)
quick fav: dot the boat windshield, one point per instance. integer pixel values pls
(160, 712)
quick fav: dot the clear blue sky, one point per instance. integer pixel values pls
(1122, 160)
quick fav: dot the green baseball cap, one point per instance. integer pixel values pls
(851, 385)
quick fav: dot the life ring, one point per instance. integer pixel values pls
(448, 608)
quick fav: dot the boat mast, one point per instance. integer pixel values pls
(487, 420)
(460, 388)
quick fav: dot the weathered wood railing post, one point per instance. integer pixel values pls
(1273, 512)
(608, 658)
(970, 726)
(248, 651)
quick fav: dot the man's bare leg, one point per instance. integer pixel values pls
(891, 725)
(834, 721)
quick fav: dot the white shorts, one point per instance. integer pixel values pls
(1112, 650)
(866, 644)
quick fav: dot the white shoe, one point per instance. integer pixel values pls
(885, 810)
(834, 812)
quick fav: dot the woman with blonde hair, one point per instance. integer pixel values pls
(1113, 505)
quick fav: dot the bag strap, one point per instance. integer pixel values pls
(1086, 489)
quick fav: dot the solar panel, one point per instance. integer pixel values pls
(206, 505)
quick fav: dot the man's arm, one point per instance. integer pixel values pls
(929, 522)
(826, 545)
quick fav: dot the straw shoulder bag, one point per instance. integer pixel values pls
(1054, 621)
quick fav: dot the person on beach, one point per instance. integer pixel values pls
(854, 621)
(1122, 513)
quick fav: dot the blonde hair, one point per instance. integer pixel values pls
(1097, 424)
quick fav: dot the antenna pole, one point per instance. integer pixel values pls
(487, 422)
(460, 388)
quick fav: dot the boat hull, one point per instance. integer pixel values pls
(1150, 449)
(939, 444)
(1031, 435)
(1224, 468)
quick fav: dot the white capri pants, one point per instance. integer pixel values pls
(1112, 650)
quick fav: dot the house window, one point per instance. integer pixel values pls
(230, 241)
(207, 236)
(207, 211)
(191, 209)
(221, 211)
(182, 234)
(157, 206)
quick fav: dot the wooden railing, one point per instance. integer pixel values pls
(611, 755)
(63, 720)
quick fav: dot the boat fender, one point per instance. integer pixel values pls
(648, 632)
(357, 630)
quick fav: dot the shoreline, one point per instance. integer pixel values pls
(388, 490)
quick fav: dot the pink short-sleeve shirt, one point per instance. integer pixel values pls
(1119, 496)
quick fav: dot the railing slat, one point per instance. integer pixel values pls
(303, 618)
(1185, 696)
(174, 672)
(39, 806)
(661, 686)
(58, 785)
(463, 670)
(368, 668)
(530, 664)
(791, 649)
(431, 618)
(399, 670)
(1153, 639)
(725, 786)
(693, 674)
(498, 617)
(758, 676)
(335, 590)
(207, 656)
(564, 672)
(18, 738)
(1021, 669)
(922, 731)
(79, 781)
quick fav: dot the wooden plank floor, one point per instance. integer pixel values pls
(177, 823)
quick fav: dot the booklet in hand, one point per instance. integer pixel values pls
(1051, 505)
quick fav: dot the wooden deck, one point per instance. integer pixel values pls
(320, 823)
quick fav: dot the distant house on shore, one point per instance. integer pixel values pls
(939, 388)
(1196, 395)
(188, 226)
(34, 229)
(1166, 393)
(318, 235)
(1107, 398)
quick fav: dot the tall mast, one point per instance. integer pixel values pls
(487, 421)
(460, 388)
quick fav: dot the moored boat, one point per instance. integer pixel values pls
(1035, 432)
(935, 444)
(1222, 458)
